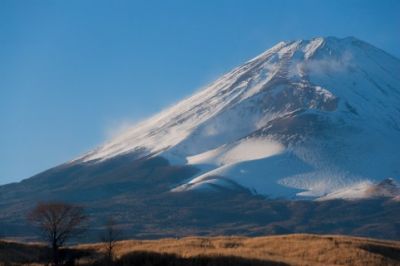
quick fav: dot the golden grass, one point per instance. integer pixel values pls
(297, 249)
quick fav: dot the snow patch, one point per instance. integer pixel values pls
(246, 150)
(251, 149)
(312, 47)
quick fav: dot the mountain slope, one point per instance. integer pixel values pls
(326, 109)
(316, 119)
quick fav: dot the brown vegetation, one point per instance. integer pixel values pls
(17, 253)
(298, 249)
(110, 240)
(57, 222)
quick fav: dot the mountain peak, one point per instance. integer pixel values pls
(309, 46)
(297, 103)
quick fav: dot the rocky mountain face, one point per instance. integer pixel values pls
(306, 120)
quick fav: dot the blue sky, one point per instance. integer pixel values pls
(73, 72)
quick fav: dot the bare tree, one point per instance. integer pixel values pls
(110, 237)
(57, 222)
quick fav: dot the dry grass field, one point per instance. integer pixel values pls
(297, 249)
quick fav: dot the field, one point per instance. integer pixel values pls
(297, 249)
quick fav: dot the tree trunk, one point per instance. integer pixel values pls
(55, 254)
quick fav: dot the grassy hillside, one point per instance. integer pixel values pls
(298, 249)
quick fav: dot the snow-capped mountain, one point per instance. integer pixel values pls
(304, 118)
(316, 119)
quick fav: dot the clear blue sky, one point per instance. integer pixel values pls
(71, 72)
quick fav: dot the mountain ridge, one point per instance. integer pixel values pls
(280, 97)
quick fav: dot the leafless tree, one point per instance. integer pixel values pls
(110, 237)
(57, 222)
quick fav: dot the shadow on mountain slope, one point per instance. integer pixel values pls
(137, 194)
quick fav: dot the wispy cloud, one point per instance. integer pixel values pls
(117, 127)
(322, 65)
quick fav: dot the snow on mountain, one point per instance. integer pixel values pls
(386, 188)
(304, 118)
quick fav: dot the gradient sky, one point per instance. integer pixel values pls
(72, 73)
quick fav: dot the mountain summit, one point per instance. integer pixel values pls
(313, 119)
(304, 118)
